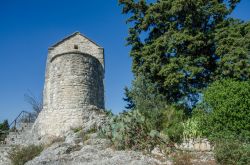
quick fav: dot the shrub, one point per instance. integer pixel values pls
(131, 130)
(232, 152)
(226, 109)
(75, 130)
(21, 155)
(172, 123)
(86, 135)
(144, 97)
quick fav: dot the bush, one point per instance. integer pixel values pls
(172, 119)
(191, 129)
(86, 135)
(21, 155)
(232, 152)
(144, 96)
(130, 130)
(226, 110)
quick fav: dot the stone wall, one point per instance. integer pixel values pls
(80, 43)
(73, 86)
(202, 145)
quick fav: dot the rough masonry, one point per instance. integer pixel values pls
(73, 86)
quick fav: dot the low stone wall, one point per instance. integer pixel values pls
(202, 145)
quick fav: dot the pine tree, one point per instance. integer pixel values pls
(183, 45)
(4, 126)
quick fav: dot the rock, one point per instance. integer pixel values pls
(94, 151)
(4, 160)
(195, 145)
(157, 151)
(90, 155)
(73, 138)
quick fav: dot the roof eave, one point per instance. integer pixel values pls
(70, 36)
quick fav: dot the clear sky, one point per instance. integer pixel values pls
(28, 28)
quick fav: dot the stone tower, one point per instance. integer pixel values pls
(73, 85)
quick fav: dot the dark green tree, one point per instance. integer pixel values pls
(183, 45)
(4, 126)
(233, 50)
(128, 99)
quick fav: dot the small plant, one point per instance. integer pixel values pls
(75, 130)
(191, 129)
(21, 155)
(86, 135)
(130, 130)
(232, 152)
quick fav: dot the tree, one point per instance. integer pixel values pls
(183, 45)
(233, 50)
(35, 103)
(4, 126)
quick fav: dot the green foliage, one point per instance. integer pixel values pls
(108, 112)
(195, 125)
(21, 155)
(226, 110)
(233, 50)
(182, 46)
(130, 130)
(179, 48)
(86, 135)
(191, 129)
(145, 98)
(75, 130)
(232, 152)
(128, 98)
(172, 123)
(4, 127)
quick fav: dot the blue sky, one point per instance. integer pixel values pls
(28, 28)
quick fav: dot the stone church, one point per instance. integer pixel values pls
(73, 88)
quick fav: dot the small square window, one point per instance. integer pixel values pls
(75, 46)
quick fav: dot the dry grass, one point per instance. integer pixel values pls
(183, 158)
(21, 155)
